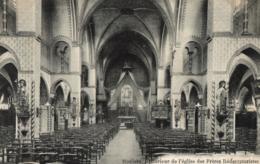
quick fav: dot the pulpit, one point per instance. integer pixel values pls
(161, 115)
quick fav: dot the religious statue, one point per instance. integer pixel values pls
(62, 51)
(85, 115)
(61, 48)
(177, 112)
(221, 98)
(189, 53)
(74, 108)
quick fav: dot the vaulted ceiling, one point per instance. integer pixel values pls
(116, 16)
(119, 4)
(118, 27)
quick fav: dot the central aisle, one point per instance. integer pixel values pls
(123, 147)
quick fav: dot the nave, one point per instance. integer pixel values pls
(109, 143)
(123, 147)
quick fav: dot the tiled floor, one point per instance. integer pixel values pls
(123, 147)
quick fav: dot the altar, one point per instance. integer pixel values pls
(126, 121)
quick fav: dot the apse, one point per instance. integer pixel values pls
(133, 48)
(127, 65)
(115, 68)
(116, 33)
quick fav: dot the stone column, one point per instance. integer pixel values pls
(258, 129)
(92, 94)
(257, 98)
(257, 102)
(160, 84)
(220, 16)
(245, 23)
(28, 17)
(30, 72)
(76, 70)
(4, 16)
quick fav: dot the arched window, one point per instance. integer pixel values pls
(61, 57)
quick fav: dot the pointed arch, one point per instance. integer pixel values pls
(44, 92)
(196, 84)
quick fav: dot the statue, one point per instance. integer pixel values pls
(221, 98)
(62, 48)
(177, 112)
(62, 51)
(221, 103)
(74, 108)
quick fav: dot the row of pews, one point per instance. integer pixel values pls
(246, 139)
(7, 134)
(155, 142)
(80, 145)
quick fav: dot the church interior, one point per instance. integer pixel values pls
(82, 81)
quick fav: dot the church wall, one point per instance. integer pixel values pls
(27, 50)
(23, 48)
(224, 47)
(220, 52)
(220, 16)
(45, 57)
(178, 82)
(73, 80)
(178, 60)
(253, 15)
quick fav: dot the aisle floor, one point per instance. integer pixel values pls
(124, 146)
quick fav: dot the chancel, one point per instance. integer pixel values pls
(102, 81)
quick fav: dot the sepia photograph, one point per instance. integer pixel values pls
(130, 81)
